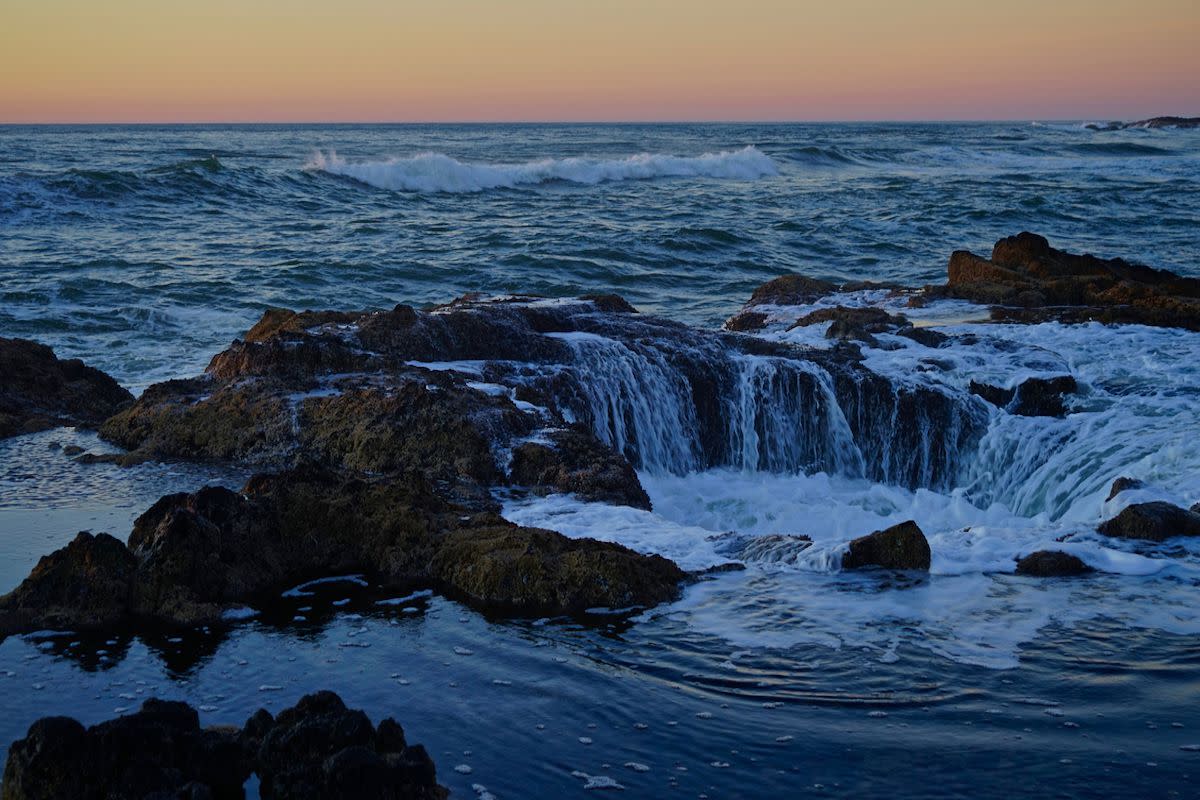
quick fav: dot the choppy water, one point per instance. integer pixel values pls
(145, 250)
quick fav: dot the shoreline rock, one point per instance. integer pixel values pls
(317, 748)
(38, 390)
(191, 557)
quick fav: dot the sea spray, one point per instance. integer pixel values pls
(438, 172)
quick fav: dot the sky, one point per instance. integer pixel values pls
(595, 60)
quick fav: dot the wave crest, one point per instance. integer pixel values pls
(437, 172)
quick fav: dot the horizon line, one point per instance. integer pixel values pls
(910, 121)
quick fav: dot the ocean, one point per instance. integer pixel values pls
(145, 250)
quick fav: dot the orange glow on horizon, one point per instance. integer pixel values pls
(472, 60)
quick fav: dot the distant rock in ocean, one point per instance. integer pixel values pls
(1182, 123)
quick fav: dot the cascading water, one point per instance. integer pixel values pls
(674, 406)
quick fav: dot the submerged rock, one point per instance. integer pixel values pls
(1155, 522)
(902, 546)
(1033, 397)
(1032, 282)
(317, 749)
(191, 557)
(1051, 564)
(39, 391)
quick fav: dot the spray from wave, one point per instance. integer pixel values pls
(437, 172)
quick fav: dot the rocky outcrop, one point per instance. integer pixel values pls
(1033, 397)
(39, 391)
(160, 751)
(1051, 564)
(1155, 522)
(902, 546)
(317, 749)
(1182, 123)
(1032, 282)
(861, 323)
(87, 584)
(453, 391)
(190, 557)
(793, 290)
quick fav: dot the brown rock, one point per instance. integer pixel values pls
(1051, 564)
(39, 391)
(576, 462)
(1123, 484)
(1155, 522)
(87, 584)
(901, 546)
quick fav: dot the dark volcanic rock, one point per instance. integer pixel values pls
(901, 546)
(316, 750)
(192, 556)
(320, 750)
(39, 391)
(1155, 522)
(1033, 282)
(1033, 397)
(576, 463)
(1124, 484)
(160, 751)
(1051, 564)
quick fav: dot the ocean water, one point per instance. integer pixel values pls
(145, 250)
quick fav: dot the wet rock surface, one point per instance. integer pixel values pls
(192, 556)
(1033, 397)
(1051, 564)
(793, 290)
(456, 390)
(39, 391)
(316, 749)
(1030, 281)
(902, 547)
(1124, 484)
(577, 463)
(1155, 522)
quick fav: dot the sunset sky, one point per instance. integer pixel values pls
(450, 60)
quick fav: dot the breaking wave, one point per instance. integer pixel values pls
(437, 172)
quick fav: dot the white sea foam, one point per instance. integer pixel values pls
(1032, 483)
(437, 172)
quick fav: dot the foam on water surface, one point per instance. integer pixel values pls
(437, 172)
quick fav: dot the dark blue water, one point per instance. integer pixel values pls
(146, 249)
